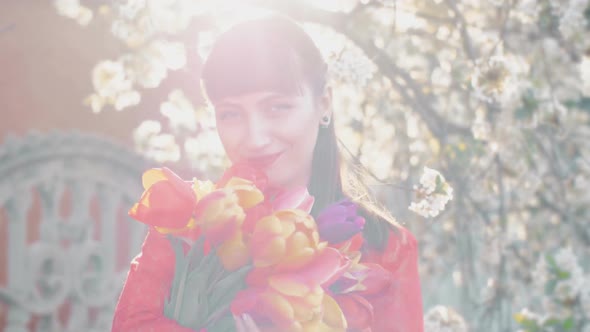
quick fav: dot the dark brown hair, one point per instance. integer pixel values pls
(275, 53)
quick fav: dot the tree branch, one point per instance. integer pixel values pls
(409, 89)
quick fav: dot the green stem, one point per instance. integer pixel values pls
(180, 295)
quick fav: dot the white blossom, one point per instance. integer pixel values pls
(126, 99)
(129, 9)
(171, 54)
(145, 131)
(72, 9)
(498, 79)
(180, 112)
(109, 79)
(444, 319)
(353, 66)
(434, 193)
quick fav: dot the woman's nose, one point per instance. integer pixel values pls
(257, 135)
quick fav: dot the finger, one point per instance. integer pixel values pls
(240, 326)
(250, 323)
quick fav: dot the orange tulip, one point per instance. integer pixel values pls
(167, 203)
(289, 298)
(233, 253)
(287, 239)
(220, 213)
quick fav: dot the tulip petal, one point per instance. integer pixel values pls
(297, 198)
(233, 253)
(183, 188)
(277, 308)
(152, 176)
(327, 265)
(333, 315)
(357, 310)
(286, 284)
(265, 254)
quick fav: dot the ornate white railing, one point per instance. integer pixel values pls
(75, 258)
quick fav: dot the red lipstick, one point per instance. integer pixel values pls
(263, 161)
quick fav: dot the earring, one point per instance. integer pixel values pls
(325, 122)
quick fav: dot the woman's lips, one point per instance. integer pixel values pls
(263, 161)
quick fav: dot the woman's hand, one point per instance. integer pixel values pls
(245, 323)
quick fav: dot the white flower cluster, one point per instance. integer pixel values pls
(72, 9)
(444, 319)
(571, 16)
(114, 81)
(139, 20)
(353, 66)
(180, 112)
(528, 10)
(152, 143)
(113, 86)
(433, 193)
(560, 282)
(499, 79)
(190, 131)
(568, 289)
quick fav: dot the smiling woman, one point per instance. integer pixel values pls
(267, 82)
(272, 131)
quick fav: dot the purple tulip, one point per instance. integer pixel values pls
(339, 222)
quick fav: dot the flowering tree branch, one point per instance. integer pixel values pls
(410, 90)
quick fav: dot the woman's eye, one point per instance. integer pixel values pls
(227, 115)
(279, 108)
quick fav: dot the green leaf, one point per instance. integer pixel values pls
(194, 310)
(568, 324)
(206, 265)
(552, 322)
(551, 261)
(223, 291)
(562, 275)
(196, 253)
(179, 273)
(550, 286)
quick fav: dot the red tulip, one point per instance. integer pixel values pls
(363, 279)
(357, 310)
(167, 202)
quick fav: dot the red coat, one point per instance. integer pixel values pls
(141, 304)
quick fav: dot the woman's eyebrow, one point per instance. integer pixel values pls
(274, 96)
(227, 104)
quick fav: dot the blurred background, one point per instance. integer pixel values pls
(470, 118)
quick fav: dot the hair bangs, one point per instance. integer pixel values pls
(249, 66)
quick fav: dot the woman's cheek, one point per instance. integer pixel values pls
(229, 140)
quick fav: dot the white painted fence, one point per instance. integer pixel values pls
(79, 257)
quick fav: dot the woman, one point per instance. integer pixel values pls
(267, 82)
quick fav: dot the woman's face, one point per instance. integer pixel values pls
(273, 131)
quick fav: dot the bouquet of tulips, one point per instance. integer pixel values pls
(239, 253)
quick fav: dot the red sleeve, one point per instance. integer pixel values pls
(141, 304)
(400, 309)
